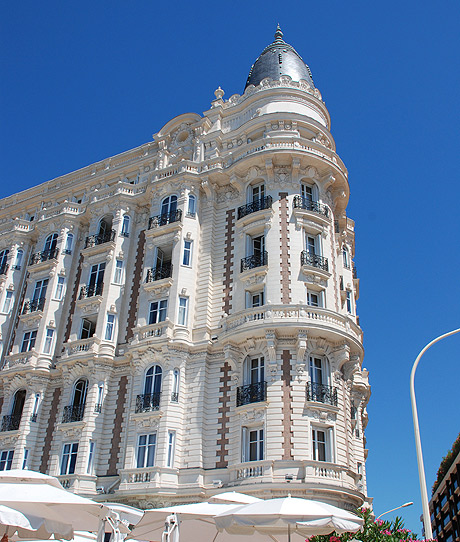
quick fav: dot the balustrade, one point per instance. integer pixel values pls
(11, 422)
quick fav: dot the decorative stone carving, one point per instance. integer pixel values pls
(270, 337)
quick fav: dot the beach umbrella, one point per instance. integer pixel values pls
(29, 526)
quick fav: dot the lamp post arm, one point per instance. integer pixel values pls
(393, 509)
(418, 444)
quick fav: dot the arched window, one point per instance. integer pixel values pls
(346, 257)
(19, 256)
(68, 244)
(79, 392)
(105, 225)
(175, 386)
(169, 205)
(125, 226)
(191, 210)
(16, 410)
(256, 192)
(152, 383)
(3, 261)
(50, 243)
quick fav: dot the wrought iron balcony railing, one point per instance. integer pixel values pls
(147, 402)
(73, 413)
(257, 260)
(322, 393)
(4, 269)
(34, 305)
(174, 397)
(307, 258)
(254, 206)
(158, 273)
(44, 256)
(98, 408)
(166, 218)
(11, 422)
(91, 291)
(301, 202)
(253, 393)
(100, 239)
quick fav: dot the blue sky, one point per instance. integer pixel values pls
(84, 81)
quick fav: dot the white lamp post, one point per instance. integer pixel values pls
(418, 444)
(397, 508)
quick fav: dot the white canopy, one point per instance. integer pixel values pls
(30, 526)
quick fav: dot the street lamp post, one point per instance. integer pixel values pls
(397, 508)
(418, 444)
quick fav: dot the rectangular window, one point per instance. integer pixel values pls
(257, 192)
(191, 211)
(28, 341)
(311, 245)
(48, 341)
(40, 289)
(158, 311)
(253, 444)
(69, 458)
(109, 327)
(349, 302)
(321, 444)
(171, 446)
(88, 328)
(182, 317)
(89, 467)
(59, 288)
(255, 299)
(307, 192)
(96, 279)
(315, 299)
(118, 276)
(6, 459)
(24, 461)
(187, 259)
(146, 450)
(7, 303)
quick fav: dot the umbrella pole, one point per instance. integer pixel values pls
(289, 532)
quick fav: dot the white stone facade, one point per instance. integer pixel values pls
(198, 329)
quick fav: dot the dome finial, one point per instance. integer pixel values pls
(278, 33)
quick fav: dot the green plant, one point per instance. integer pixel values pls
(446, 463)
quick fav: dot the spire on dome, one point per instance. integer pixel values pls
(278, 33)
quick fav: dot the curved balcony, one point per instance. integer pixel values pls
(11, 422)
(147, 402)
(100, 239)
(254, 206)
(73, 413)
(33, 306)
(159, 273)
(301, 202)
(256, 260)
(164, 219)
(252, 393)
(314, 260)
(321, 393)
(44, 256)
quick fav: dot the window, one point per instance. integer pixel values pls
(100, 396)
(34, 415)
(346, 257)
(321, 439)
(146, 450)
(311, 244)
(105, 226)
(253, 444)
(187, 258)
(59, 288)
(50, 243)
(169, 205)
(4, 261)
(69, 458)
(158, 311)
(24, 460)
(28, 341)
(109, 327)
(48, 341)
(182, 316)
(254, 370)
(96, 279)
(152, 384)
(175, 386)
(256, 192)
(254, 299)
(349, 302)
(88, 328)
(191, 210)
(319, 371)
(40, 292)
(8, 301)
(306, 192)
(6, 459)
(258, 246)
(315, 299)
(79, 392)
(118, 276)
(19, 257)
(89, 467)
(68, 244)
(171, 446)
(125, 226)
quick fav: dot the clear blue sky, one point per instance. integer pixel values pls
(82, 81)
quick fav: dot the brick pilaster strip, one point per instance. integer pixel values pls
(116, 437)
(287, 407)
(73, 302)
(228, 261)
(50, 430)
(137, 279)
(284, 246)
(223, 419)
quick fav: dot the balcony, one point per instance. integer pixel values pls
(73, 413)
(33, 306)
(4, 269)
(100, 239)
(314, 260)
(257, 260)
(91, 291)
(321, 393)
(159, 273)
(162, 220)
(11, 422)
(44, 256)
(148, 402)
(252, 393)
(301, 202)
(254, 206)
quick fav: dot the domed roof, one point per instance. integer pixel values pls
(277, 59)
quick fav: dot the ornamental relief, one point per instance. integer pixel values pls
(225, 194)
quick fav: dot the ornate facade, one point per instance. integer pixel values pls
(181, 317)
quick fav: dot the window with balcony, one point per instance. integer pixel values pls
(88, 327)
(6, 459)
(257, 256)
(308, 200)
(104, 235)
(8, 301)
(182, 315)
(49, 251)
(125, 226)
(254, 388)
(12, 421)
(158, 310)
(150, 399)
(191, 209)
(256, 200)
(321, 441)
(252, 444)
(28, 340)
(96, 281)
(69, 458)
(49, 338)
(4, 261)
(312, 254)
(76, 410)
(146, 446)
(19, 258)
(162, 268)
(319, 388)
(38, 298)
